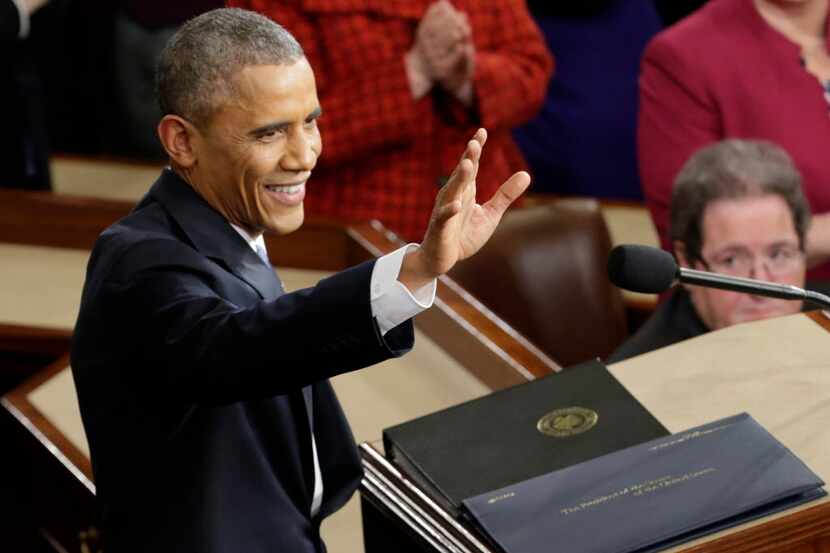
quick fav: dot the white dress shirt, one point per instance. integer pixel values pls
(392, 303)
(23, 14)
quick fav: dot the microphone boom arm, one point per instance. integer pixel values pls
(752, 286)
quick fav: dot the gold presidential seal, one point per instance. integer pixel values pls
(568, 421)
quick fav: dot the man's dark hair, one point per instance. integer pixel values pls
(733, 169)
(196, 69)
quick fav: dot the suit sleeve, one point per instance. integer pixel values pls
(365, 112)
(677, 117)
(205, 348)
(512, 74)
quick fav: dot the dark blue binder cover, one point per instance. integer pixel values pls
(650, 496)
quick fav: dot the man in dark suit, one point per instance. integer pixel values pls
(203, 387)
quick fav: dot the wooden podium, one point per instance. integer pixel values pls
(463, 340)
(777, 370)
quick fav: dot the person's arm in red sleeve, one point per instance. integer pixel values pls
(510, 81)
(367, 111)
(676, 118)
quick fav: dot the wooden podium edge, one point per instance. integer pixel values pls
(460, 324)
(808, 528)
(820, 318)
(17, 403)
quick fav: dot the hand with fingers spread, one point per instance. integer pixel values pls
(459, 226)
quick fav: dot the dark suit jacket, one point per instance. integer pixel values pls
(9, 20)
(189, 363)
(674, 320)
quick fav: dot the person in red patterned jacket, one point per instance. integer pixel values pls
(403, 84)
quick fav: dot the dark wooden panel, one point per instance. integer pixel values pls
(807, 530)
(320, 244)
(51, 479)
(31, 339)
(25, 350)
(17, 403)
(44, 496)
(44, 219)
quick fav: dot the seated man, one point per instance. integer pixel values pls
(737, 208)
(203, 387)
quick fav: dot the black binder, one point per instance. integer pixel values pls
(651, 496)
(494, 441)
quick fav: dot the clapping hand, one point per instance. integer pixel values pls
(459, 226)
(444, 47)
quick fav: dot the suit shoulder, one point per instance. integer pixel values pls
(145, 239)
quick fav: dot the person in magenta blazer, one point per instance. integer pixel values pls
(746, 69)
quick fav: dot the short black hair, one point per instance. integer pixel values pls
(196, 69)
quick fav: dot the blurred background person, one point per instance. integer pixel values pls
(403, 85)
(745, 69)
(142, 28)
(583, 141)
(737, 209)
(23, 140)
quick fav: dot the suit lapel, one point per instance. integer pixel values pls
(211, 234)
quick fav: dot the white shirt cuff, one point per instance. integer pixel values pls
(23, 13)
(392, 302)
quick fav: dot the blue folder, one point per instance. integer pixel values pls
(650, 496)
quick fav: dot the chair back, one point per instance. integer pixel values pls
(544, 272)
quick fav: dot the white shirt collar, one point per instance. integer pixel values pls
(252, 242)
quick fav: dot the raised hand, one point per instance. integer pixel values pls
(459, 226)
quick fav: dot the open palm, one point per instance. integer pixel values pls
(459, 227)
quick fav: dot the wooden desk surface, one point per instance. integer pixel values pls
(113, 180)
(777, 370)
(41, 286)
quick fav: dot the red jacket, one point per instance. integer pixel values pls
(723, 72)
(383, 152)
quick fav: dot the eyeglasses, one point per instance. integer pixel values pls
(779, 260)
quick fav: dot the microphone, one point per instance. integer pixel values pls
(652, 271)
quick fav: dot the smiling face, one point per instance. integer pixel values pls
(253, 159)
(756, 231)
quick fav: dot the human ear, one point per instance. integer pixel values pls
(681, 254)
(177, 137)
